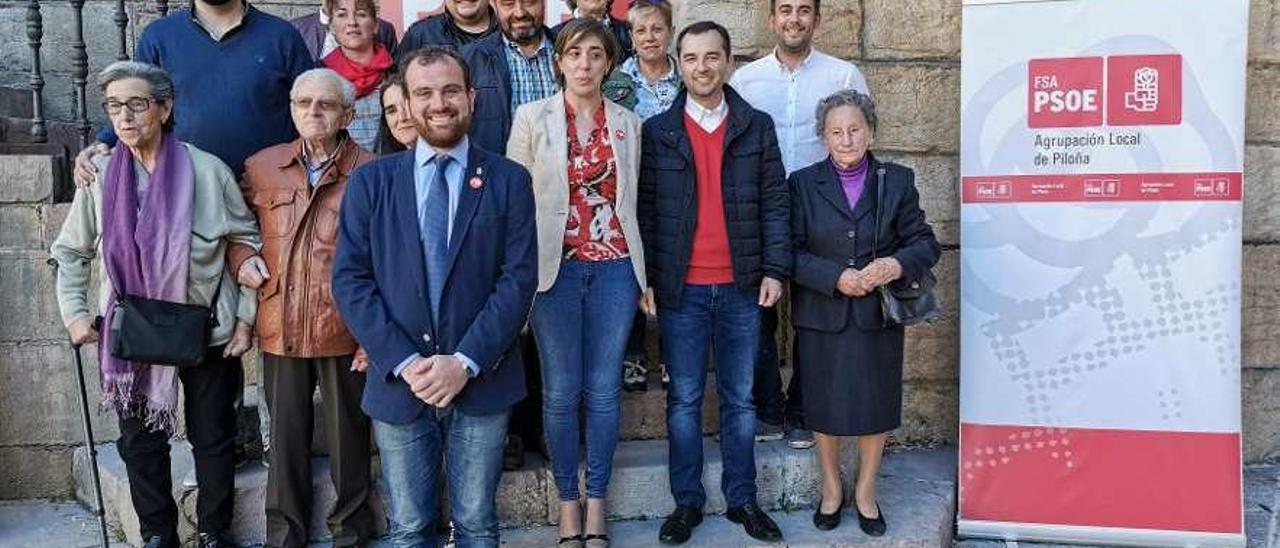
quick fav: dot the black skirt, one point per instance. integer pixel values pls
(852, 380)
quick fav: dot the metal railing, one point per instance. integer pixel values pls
(79, 64)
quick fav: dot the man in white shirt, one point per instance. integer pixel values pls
(787, 84)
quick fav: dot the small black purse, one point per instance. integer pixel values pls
(906, 303)
(152, 331)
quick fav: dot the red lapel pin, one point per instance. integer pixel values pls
(619, 135)
(476, 183)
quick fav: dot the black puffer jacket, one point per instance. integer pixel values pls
(756, 201)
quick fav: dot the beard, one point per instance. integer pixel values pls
(218, 2)
(443, 137)
(524, 36)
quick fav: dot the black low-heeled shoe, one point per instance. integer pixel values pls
(827, 522)
(872, 526)
(574, 541)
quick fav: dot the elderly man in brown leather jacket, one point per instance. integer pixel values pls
(296, 189)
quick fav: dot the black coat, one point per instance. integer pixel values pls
(491, 78)
(440, 30)
(755, 198)
(828, 237)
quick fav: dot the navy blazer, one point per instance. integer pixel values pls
(828, 237)
(491, 78)
(380, 282)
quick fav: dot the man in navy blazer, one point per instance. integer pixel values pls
(435, 273)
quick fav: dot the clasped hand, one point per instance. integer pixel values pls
(859, 283)
(436, 380)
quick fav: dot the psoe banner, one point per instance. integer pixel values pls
(1101, 187)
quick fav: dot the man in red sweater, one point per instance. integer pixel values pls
(714, 217)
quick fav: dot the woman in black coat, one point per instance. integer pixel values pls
(852, 360)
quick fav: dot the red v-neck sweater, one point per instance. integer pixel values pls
(710, 263)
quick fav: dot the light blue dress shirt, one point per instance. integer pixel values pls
(424, 171)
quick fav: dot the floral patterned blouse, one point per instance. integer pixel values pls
(592, 231)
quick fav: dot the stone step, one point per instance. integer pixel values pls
(32, 523)
(639, 489)
(919, 513)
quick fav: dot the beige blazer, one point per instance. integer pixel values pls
(538, 143)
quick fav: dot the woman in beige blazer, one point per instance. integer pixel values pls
(584, 154)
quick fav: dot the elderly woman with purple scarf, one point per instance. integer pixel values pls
(160, 218)
(852, 357)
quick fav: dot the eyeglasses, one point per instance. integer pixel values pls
(325, 105)
(136, 105)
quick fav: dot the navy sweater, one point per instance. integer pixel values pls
(232, 96)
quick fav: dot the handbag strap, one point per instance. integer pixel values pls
(213, 302)
(875, 234)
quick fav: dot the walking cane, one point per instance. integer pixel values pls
(88, 429)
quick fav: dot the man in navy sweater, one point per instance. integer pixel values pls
(232, 67)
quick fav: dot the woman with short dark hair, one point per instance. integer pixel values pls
(583, 152)
(851, 356)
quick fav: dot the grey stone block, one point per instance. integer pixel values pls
(35, 472)
(42, 523)
(1260, 307)
(28, 299)
(42, 401)
(20, 227)
(1261, 403)
(1261, 194)
(117, 502)
(25, 178)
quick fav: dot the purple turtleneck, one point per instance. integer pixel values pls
(852, 180)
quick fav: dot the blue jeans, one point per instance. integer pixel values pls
(471, 447)
(581, 327)
(726, 319)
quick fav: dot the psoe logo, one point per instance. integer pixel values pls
(1144, 90)
(1065, 92)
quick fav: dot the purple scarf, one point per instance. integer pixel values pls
(146, 248)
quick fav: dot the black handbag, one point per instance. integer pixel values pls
(906, 303)
(152, 331)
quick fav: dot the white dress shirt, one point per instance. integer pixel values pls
(791, 99)
(707, 119)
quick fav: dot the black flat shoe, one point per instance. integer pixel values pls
(755, 522)
(827, 522)
(574, 541)
(679, 525)
(872, 526)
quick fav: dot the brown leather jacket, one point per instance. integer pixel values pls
(296, 313)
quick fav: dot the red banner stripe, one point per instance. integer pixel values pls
(1186, 481)
(1113, 187)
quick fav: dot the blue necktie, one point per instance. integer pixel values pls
(435, 233)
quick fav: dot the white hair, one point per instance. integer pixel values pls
(347, 90)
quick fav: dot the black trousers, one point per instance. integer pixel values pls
(771, 405)
(526, 415)
(210, 391)
(290, 383)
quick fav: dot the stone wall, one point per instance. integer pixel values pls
(910, 51)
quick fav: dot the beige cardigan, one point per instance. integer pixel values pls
(539, 144)
(218, 216)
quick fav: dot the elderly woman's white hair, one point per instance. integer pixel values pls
(346, 89)
(846, 98)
